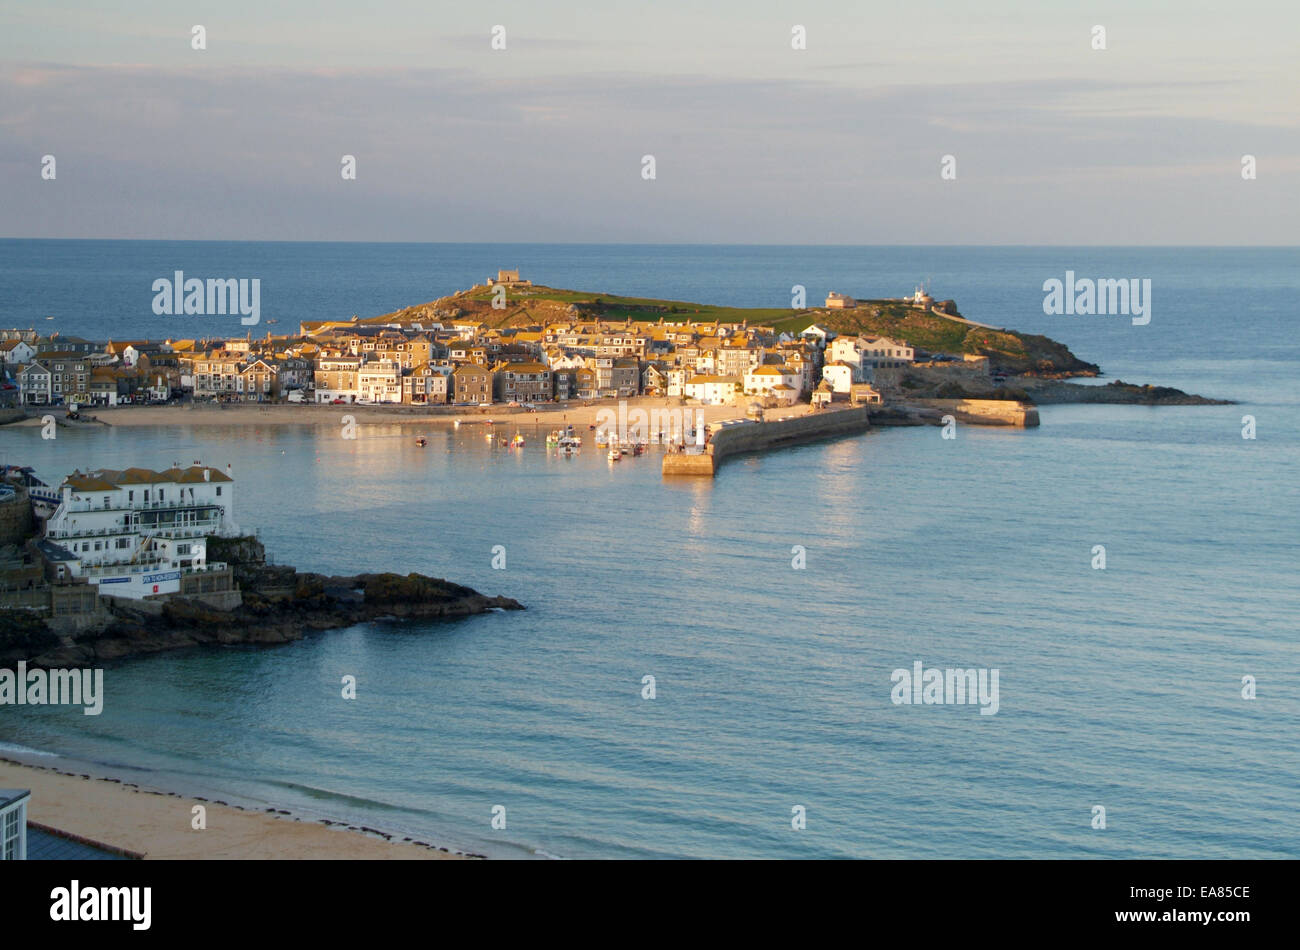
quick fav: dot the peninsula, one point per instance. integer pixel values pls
(510, 345)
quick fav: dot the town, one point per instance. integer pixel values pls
(467, 363)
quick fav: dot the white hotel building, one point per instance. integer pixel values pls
(135, 533)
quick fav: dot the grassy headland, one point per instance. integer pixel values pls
(1008, 351)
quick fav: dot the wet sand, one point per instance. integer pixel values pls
(575, 414)
(157, 824)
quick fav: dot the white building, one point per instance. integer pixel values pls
(847, 349)
(817, 334)
(136, 532)
(839, 376)
(712, 390)
(13, 821)
(840, 301)
(380, 381)
(15, 352)
(781, 381)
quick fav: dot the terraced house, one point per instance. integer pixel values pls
(472, 383)
(379, 381)
(260, 381)
(523, 382)
(69, 377)
(212, 374)
(34, 382)
(336, 377)
(425, 385)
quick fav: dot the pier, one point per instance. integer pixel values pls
(742, 436)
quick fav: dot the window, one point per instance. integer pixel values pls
(9, 834)
(218, 491)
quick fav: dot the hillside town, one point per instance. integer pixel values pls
(463, 363)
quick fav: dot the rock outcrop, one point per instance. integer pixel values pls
(280, 605)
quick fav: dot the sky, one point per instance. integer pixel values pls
(843, 142)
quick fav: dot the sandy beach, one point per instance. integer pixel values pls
(156, 824)
(245, 414)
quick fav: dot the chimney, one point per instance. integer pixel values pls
(207, 474)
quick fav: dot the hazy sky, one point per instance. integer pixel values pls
(754, 142)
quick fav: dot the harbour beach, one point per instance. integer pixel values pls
(310, 414)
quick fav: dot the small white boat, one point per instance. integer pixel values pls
(615, 454)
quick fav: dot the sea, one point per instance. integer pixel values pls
(771, 605)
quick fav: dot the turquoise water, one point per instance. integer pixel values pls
(1118, 687)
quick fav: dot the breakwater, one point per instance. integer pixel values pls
(985, 412)
(746, 436)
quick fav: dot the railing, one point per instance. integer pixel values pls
(138, 505)
(148, 567)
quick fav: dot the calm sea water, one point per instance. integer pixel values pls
(1119, 687)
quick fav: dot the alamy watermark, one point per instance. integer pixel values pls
(1103, 296)
(61, 687)
(956, 687)
(667, 425)
(215, 296)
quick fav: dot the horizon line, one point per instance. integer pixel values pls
(643, 243)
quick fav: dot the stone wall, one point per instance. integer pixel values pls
(16, 519)
(988, 412)
(762, 436)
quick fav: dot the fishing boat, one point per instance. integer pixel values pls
(518, 441)
(553, 439)
(490, 437)
(615, 454)
(421, 441)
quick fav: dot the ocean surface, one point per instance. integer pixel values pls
(1118, 687)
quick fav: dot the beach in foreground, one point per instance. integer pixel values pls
(157, 824)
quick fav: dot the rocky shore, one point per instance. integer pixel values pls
(1051, 391)
(279, 605)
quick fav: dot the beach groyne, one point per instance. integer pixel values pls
(744, 436)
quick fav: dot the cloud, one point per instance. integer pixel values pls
(444, 154)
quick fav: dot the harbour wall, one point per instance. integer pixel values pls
(985, 412)
(762, 436)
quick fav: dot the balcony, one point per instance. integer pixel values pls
(138, 505)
